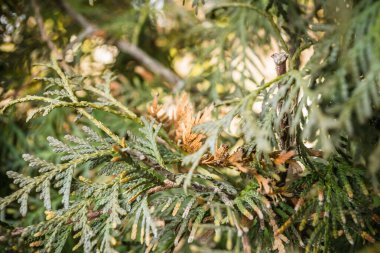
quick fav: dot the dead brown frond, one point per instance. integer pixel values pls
(179, 118)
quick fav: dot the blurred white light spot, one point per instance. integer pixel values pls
(234, 128)
(105, 54)
(183, 65)
(157, 4)
(257, 107)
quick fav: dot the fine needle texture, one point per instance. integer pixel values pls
(189, 126)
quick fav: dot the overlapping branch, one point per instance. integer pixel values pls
(127, 47)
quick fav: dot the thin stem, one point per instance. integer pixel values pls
(297, 54)
(114, 101)
(57, 103)
(253, 94)
(256, 92)
(100, 125)
(97, 123)
(27, 99)
(84, 104)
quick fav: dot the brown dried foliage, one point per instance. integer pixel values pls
(179, 118)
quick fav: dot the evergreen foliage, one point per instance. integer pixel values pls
(224, 159)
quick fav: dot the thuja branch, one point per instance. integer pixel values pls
(54, 103)
(51, 174)
(115, 102)
(85, 104)
(171, 178)
(297, 54)
(266, 15)
(97, 123)
(91, 215)
(79, 105)
(253, 95)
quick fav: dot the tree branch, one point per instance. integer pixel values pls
(127, 47)
(73, 98)
(171, 178)
(91, 215)
(150, 63)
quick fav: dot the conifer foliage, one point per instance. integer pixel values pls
(226, 158)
